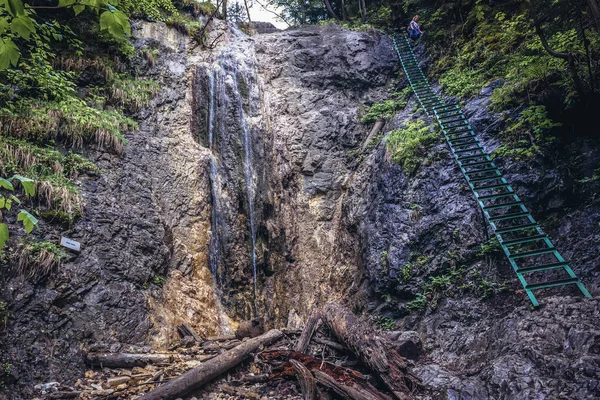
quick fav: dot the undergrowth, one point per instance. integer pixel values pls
(382, 111)
(409, 146)
(458, 282)
(38, 259)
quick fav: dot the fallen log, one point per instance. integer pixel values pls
(306, 380)
(331, 344)
(307, 333)
(348, 392)
(348, 383)
(376, 352)
(196, 377)
(126, 360)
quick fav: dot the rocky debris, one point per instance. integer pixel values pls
(325, 365)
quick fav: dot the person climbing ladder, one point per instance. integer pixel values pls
(414, 30)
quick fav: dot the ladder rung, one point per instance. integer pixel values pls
(489, 187)
(509, 216)
(516, 228)
(533, 253)
(496, 196)
(523, 240)
(486, 178)
(456, 145)
(481, 171)
(463, 119)
(449, 113)
(458, 132)
(472, 157)
(470, 135)
(560, 282)
(476, 164)
(542, 267)
(478, 148)
(505, 205)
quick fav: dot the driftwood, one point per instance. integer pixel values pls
(307, 333)
(354, 392)
(331, 344)
(376, 352)
(204, 373)
(346, 382)
(306, 380)
(126, 360)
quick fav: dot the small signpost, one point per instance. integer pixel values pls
(70, 244)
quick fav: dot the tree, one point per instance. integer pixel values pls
(19, 21)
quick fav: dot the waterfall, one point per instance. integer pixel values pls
(215, 244)
(230, 80)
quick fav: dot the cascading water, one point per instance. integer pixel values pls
(230, 83)
(214, 179)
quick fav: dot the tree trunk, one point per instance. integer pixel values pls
(569, 57)
(595, 9)
(224, 10)
(124, 360)
(363, 11)
(194, 378)
(376, 352)
(332, 14)
(247, 10)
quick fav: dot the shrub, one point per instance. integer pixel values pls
(409, 146)
(382, 111)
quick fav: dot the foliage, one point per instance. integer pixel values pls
(156, 10)
(184, 23)
(529, 135)
(132, 93)
(457, 282)
(158, 280)
(382, 111)
(489, 247)
(37, 259)
(408, 146)
(385, 323)
(7, 199)
(19, 24)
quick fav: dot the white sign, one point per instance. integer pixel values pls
(70, 244)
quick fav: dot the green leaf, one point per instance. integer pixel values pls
(28, 184)
(29, 221)
(3, 25)
(9, 54)
(78, 8)
(15, 7)
(3, 235)
(22, 26)
(6, 184)
(116, 23)
(2, 202)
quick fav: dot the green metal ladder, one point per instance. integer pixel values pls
(514, 226)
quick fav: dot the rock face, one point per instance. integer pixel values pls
(245, 192)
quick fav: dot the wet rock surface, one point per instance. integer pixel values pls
(329, 226)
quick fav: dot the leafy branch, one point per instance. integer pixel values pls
(29, 221)
(18, 21)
